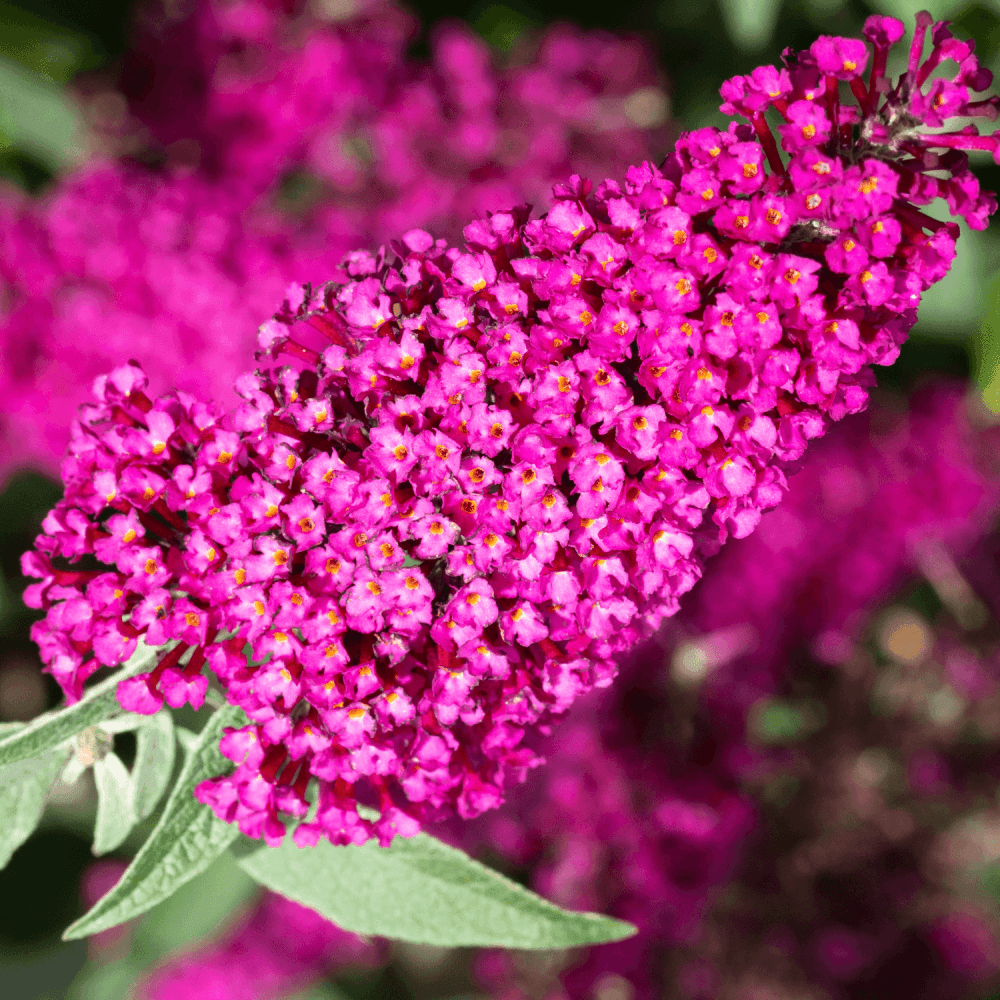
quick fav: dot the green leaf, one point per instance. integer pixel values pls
(187, 738)
(323, 991)
(127, 722)
(24, 787)
(154, 761)
(201, 908)
(115, 798)
(97, 704)
(985, 348)
(778, 721)
(198, 909)
(421, 890)
(750, 23)
(185, 841)
(38, 116)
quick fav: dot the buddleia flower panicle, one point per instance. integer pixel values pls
(464, 479)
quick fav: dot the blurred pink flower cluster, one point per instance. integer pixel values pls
(282, 140)
(275, 950)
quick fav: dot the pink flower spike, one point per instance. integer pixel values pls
(462, 481)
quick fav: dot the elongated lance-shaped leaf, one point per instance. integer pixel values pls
(419, 889)
(24, 787)
(154, 761)
(188, 739)
(97, 704)
(185, 841)
(127, 722)
(115, 803)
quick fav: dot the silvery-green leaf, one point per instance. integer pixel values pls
(115, 798)
(187, 738)
(97, 704)
(73, 770)
(185, 841)
(154, 761)
(24, 787)
(127, 722)
(419, 889)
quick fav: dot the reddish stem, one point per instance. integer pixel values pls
(169, 660)
(924, 21)
(173, 519)
(278, 426)
(983, 109)
(153, 526)
(302, 781)
(309, 438)
(273, 760)
(959, 140)
(140, 401)
(67, 577)
(763, 131)
(861, 94)
(833, 104)
(918, 219)
(300, 352)
(121, 417)
(197, 662)
(334, 332)
(287, 776)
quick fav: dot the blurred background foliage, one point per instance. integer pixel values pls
(45, 45)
